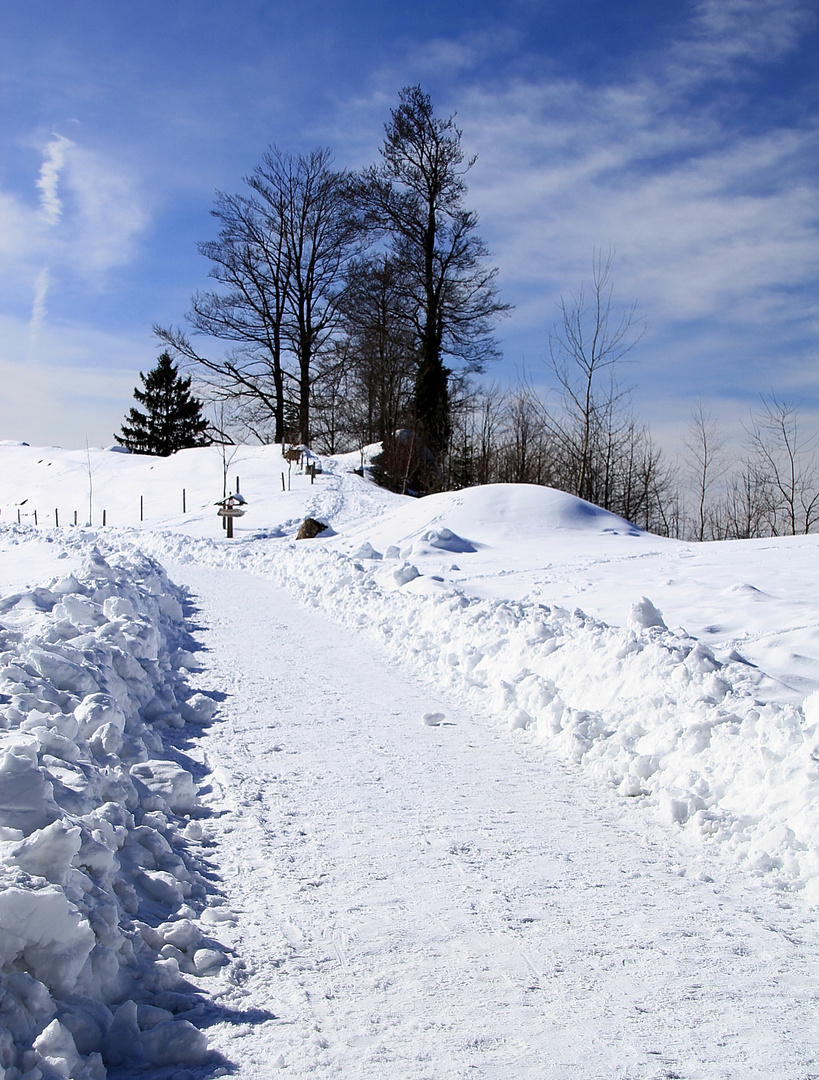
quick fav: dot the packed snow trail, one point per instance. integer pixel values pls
(441, 900)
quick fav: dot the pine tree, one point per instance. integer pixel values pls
(173, 417)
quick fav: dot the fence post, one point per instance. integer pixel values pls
(141, 508)
(184, 511)
(103, 516)
(75, 517)
(56, 518)
(35, 517)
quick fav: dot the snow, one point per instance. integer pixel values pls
(486, 781)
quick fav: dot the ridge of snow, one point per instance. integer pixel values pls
(100, 866)
(650, 711)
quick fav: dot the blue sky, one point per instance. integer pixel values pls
(685, 135)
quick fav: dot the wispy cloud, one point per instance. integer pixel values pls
(38, 307)
(111, 210)
(715, 225)
(48, 181)
(726, 32)
(89, 219)
(51, 210)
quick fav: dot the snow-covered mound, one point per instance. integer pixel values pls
(100, 874)
(497, 515)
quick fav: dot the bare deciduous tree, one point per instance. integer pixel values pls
(280, 255)
(783, 463)
(585, 347)
(705, 449)
(415, 198)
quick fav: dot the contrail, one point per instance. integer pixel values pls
(38, 307)
(53, 161)
(51, 208)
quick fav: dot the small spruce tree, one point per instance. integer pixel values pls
(172, 419)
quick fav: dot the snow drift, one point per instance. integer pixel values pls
(99, 876)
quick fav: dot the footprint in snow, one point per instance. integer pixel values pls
(433, 719)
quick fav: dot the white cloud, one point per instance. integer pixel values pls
(724, 32)
(81, 383)
(710, 223)
(48, 180)
(92, 214)
(110, 210)
(38, 310)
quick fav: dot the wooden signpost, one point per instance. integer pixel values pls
(230, 508)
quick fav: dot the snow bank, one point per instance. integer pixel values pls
(99, 876)
(650, 711)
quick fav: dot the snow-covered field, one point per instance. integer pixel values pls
(485, 784)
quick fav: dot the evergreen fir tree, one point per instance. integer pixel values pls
(172, 419)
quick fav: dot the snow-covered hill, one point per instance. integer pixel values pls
(680, 677)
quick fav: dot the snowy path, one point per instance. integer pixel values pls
(450, 902)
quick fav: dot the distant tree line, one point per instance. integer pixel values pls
(770, 489)
(359, 309)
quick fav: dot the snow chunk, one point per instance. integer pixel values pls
(56, 1049)
(366, 551)
(64, 673)
(97, 710)
(644, 615)
(49, 852)
(170, 781)
(43, 932)
(406, 573)
(175, 1042)
(443, 540)
(26, 797)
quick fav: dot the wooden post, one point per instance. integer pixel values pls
(35, 517)
(283, 487)
(103, 516)
(75, 517)
(141, 508)
(184, 511)
(229, 521)
(18, 515)
(237, 486)
(57, 518)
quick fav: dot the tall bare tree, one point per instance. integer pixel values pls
(585, 347)
(280, 257)
(705, 451)
(382, 348)
(415, 198)
(249, 260)
(783, 460)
